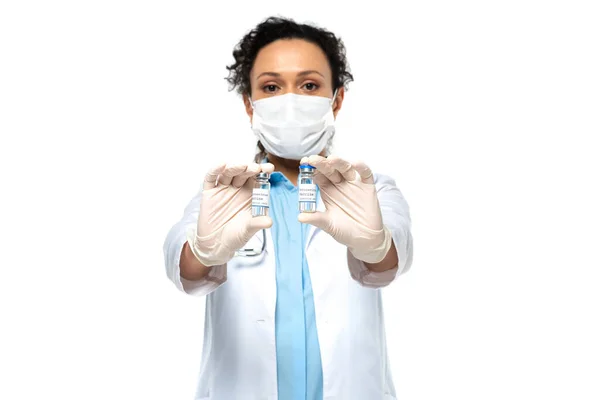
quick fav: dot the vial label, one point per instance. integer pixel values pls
(307, 192)
(260, 197)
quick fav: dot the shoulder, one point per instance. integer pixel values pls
(388, 191)
(383, 179)
(385, 182)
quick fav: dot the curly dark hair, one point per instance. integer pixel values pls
(275, 28)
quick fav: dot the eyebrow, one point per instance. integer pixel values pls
(303, 73)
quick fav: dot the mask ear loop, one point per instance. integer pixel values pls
(329, 142)
(265, 159)
(334, 97)
(250, 100)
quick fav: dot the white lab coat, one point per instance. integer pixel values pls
(239, 361)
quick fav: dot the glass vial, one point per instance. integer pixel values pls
(307, 190)
(260, 195)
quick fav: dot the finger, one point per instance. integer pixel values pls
(267, 167)
(323, 165)
(321, 180)
(366, 175)
(210, 180)
(314, 160)
(319, 219)
(343, 167)
(251, 170)
(230, 172)
(264, 167)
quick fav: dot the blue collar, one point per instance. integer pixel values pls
(277, 179)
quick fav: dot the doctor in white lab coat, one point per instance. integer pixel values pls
(292, 78)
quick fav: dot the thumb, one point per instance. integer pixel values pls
(318, 219)
(255, 224)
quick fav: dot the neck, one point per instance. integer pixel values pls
(289, 168)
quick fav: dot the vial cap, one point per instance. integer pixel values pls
(307, 167)
(264, 175)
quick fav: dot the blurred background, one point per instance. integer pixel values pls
(485, 113)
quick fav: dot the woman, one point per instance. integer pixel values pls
(293, 309)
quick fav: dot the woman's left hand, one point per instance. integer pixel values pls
(352, 216)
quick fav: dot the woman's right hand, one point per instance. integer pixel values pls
(225, 223)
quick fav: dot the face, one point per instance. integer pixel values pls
(292, 66)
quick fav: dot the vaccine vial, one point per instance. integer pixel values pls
(260, 195)
(307, 190)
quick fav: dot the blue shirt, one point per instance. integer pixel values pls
(299, 370)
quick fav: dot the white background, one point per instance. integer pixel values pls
(486, 113)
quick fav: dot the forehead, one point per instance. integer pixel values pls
(290, 55)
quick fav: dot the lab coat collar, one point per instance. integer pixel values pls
(277, 178)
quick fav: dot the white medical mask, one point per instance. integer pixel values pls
(293, 126)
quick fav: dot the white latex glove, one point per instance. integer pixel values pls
(352, 216)
(225, 222)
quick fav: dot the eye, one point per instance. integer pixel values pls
(311, 86)
(270, 88)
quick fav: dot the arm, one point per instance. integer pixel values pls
(396, 218)
(182, 267)
(389, 262)
(189, 266)
(212, 231)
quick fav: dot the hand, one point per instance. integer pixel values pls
(352, 216)
(225, 222)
